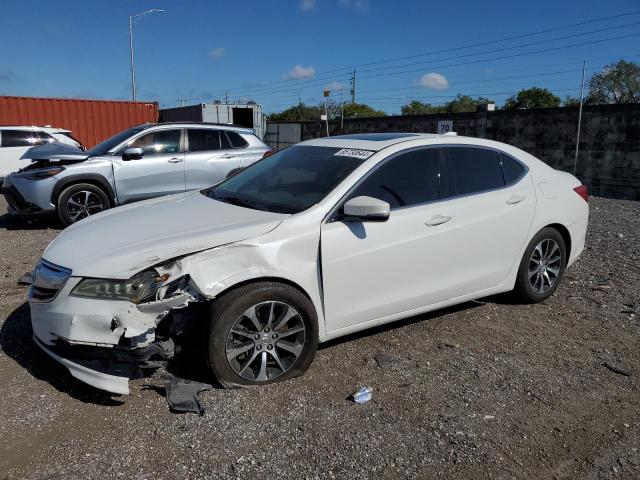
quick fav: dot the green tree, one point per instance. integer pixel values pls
(359, 110)
(570, 101)
(617, 83)
(465, 103)
(298, 113)
(534, 97)
(418, 108)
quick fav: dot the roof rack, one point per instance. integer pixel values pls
(191, 122)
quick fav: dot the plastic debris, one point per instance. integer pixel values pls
(182, 395)
(363, 395)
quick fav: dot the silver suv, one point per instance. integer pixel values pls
(139, 163)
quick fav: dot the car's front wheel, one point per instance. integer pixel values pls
(80, 201)
(542, 266)
(261, 333)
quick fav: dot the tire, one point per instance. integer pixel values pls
(79, 201)
(544, 257)
(288, 349)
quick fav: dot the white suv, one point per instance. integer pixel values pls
(16, 140)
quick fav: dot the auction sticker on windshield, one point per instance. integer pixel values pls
(355, 153)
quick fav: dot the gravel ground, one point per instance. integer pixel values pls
(484, 390)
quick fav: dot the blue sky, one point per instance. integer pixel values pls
(276, 51)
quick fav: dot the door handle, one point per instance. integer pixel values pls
(438, 220)
(175, 160)
(513, 199)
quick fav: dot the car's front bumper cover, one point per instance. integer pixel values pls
(101, 342)
(104, 381)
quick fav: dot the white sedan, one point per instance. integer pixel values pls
(319, 240)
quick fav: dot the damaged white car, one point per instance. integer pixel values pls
(319, 240)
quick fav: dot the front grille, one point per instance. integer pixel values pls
(48, 280)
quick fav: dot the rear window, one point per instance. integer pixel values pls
(468, 170)
(19, 138)
(512, 170)
(203, 139)
(236, 140)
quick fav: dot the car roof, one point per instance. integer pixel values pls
(373, 141)
(222, 126)
(44, 128)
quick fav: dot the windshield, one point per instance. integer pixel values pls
(288, 181)
(103, 147)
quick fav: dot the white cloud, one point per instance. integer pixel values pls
(217, 53)
(435, 81)
(360, 5)
(300, 72)
(307, 5)
(336, 86)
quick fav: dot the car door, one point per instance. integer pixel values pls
(434, 247)
(160, 171)
(491, 199)
(206, 162)
(371, 270)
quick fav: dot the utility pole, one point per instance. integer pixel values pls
(353, 86)
(133, 19)
(326, 94)
(575, 160)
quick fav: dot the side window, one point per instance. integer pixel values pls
(511, 169)
(225, 143)
(236, 140)
(158, 142)
(408, 179)
(467, 170)
(44, 137)
(203, 139)
(19, 138)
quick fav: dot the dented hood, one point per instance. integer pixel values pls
(119, 242)
(55, 152)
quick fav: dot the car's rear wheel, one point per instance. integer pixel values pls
(261, 333)
(542, 266)
(80, 201)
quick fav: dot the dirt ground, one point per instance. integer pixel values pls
(485, 390)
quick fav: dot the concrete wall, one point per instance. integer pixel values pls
(609, 156)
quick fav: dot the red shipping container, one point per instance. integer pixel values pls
(90, 121)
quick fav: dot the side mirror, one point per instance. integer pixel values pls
(366, 209)
(133, 153)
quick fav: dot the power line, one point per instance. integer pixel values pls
(504, 57)
(462, 47)
(513, 47)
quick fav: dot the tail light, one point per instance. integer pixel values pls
(583, 191)
(267, 153)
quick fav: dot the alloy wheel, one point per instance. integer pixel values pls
(83, 204)
(265, 341)
(545, 265)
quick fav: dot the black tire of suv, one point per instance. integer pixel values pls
(61, 205)
(523, 289)
(226, 310)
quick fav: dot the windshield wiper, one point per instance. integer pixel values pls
(235, 201)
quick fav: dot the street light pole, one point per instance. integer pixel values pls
(133, 19)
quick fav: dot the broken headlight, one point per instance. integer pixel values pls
(140, 288)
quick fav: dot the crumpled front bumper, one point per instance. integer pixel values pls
(103, 381)
(103, 343)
